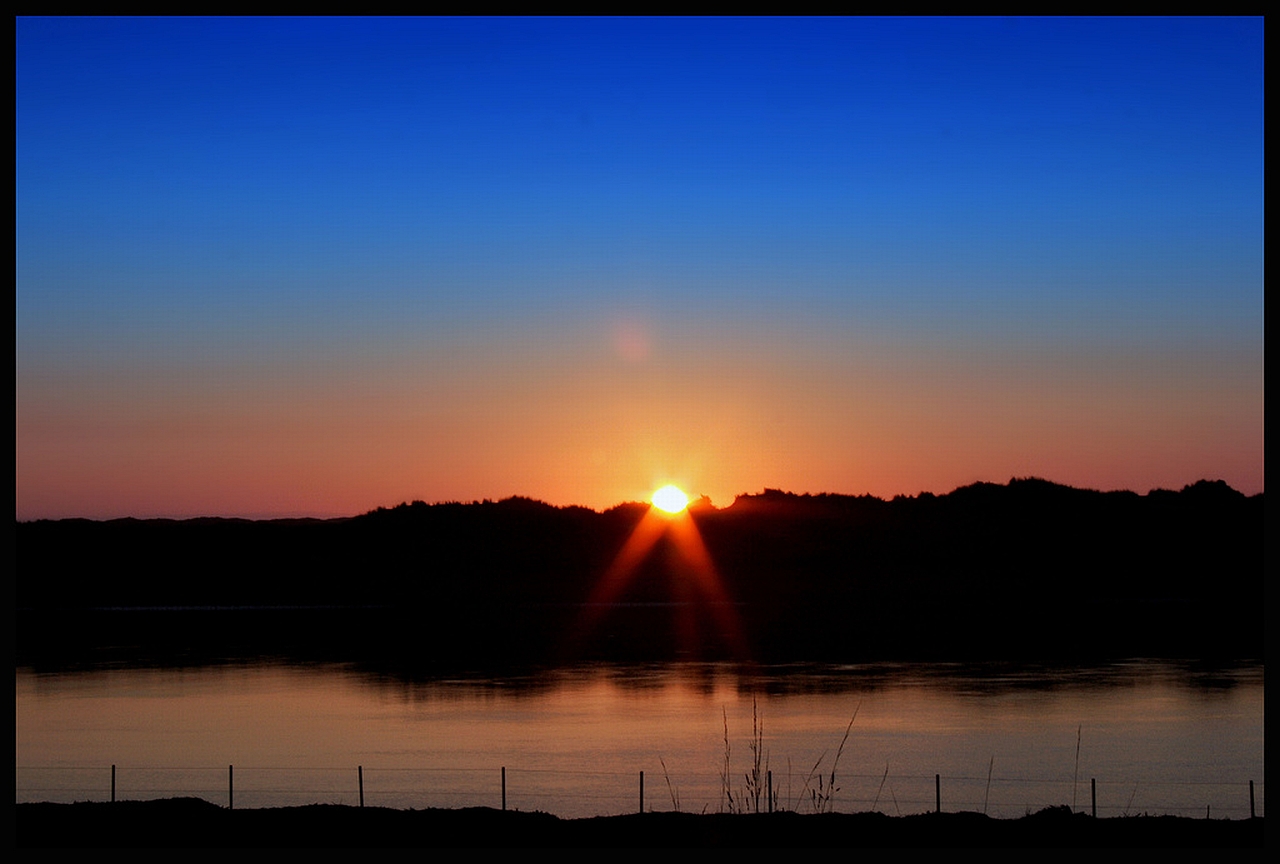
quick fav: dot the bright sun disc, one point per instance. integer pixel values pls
(670, 499)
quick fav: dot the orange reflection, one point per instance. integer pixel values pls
(697, 586)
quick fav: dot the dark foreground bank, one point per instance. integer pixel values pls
(192, 822)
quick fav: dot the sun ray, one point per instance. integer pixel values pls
(708, 583)
(643, 537)
(698, 584)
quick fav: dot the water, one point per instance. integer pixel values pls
(1157, 737)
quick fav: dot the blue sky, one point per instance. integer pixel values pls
(213, 206)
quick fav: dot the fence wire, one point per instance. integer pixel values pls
(574, 794)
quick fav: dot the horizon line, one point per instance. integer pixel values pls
(697, 501)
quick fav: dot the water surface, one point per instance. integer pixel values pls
(1157, 737)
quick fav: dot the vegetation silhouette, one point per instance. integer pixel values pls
(1028, 570)
(191, 822)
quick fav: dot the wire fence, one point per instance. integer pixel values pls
(578, 794)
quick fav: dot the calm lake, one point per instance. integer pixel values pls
(1157, 737)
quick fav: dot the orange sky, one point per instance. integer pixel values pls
(317, 266)
(583, 423)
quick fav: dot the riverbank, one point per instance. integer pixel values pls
(195, 823)
(977, 574)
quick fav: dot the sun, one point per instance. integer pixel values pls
(670, 499)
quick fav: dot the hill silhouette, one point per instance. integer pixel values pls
(1028, 569)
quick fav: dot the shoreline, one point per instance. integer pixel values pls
(196, 823)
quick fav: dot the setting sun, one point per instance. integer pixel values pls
(670, 499)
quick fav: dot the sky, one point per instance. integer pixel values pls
(310, 267)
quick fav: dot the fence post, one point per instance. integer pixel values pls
(504, 787)
(360, 774)
(231, 788)
(937, 792)
(1093, 792)
(113, 787)
(641, 791)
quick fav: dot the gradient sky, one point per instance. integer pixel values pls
(311, 267)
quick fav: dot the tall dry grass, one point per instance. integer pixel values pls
(756, 794)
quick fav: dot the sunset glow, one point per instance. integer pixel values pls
(480, 411)
(310, 267)
(696, 591)
(670, 499)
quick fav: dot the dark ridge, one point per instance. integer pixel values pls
(1030, 570)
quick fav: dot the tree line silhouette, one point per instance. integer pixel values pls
(1028, 569)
